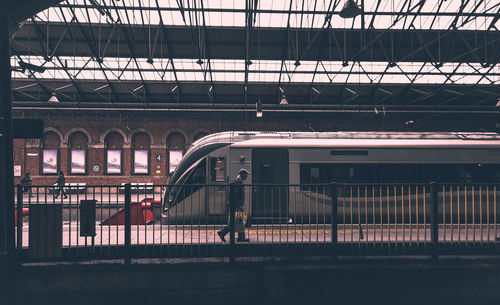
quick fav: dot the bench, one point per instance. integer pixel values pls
(140, 188)
(71, 188)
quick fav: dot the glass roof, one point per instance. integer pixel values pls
(395, 14)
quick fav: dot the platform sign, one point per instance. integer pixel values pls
(87, 218)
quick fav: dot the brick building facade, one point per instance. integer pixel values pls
(93, 140)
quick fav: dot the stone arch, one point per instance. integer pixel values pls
(140, 130)
(113, 129)
(57, 132)
(173, 130)
(78, 129)
(194, 134)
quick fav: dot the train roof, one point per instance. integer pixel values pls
(339, 139)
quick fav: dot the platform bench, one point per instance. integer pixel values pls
(140, 188)
(71, 188)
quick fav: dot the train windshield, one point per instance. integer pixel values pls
(194, 180)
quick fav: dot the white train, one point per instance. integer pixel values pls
(296, 164)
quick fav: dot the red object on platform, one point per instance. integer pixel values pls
(141, 213)
(26, 212)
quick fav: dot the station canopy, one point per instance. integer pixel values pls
(396, 55)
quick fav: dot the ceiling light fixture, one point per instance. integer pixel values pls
(53, 98)
(283, 100)
(350, 10)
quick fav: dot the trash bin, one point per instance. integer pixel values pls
(45, 230)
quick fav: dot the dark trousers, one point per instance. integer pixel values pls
(59, 190)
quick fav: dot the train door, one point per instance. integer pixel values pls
(216, 190)
(269, 166)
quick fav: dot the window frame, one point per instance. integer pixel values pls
(106, 169)
(42, 168)
(85, 162)
(134, 171)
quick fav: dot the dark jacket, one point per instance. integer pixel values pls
(26, 181)
(61, 181)
(236, 194)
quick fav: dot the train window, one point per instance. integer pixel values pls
(217, 169)
(399, 173)
(348, 152)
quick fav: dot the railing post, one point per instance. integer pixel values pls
(19, 217)
(434, 221)
(232, 246)
(128, 196)
(334, 229)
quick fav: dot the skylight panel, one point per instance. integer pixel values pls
(308, 14)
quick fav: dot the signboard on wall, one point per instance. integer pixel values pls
(17, 170)
(49, 165)
(114, 163)
(175, 157)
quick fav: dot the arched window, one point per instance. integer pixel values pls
(199, 135)
(140, 147)
(50, 153)
(113, 145)
(78, 145)
(176, 143)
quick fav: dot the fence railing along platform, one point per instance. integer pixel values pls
(109, 222)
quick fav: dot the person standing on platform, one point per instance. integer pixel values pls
(61, 182)
(236, 203)
(26, 183)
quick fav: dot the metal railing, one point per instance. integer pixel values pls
(293, 220)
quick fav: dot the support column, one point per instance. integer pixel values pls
(6, 143)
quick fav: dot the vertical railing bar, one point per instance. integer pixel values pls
(481, 211)
(434, 220)
(334, 228)
(416, 214)
(424, 193)
(388, 215)
(451, 212)
(488, 211)
(317, 219)
(466, 218)
(495, 210)
(359, 219)
(366, 214)
(19, 217)
(309, 219)
(373, 216)
(350, 212)
(403, 213)
(271, 203)
(396, 214)
(458, 214)
(344, 191)
(444, 213)
(473, 214)
(127, 237)
(410, 215)
(381, 220)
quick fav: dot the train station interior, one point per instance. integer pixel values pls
(376, 125)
